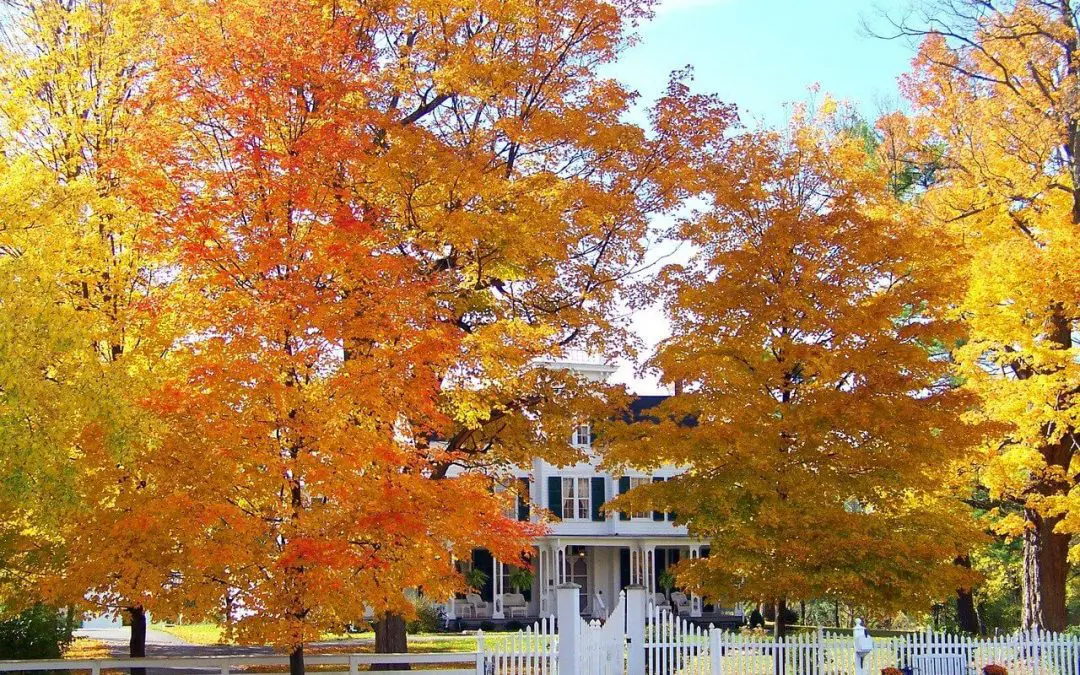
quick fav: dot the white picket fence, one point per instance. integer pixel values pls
(603, 644)
(532, 651)
(926, 653)
(804, 653)
(675, 645)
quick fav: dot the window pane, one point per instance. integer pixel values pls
(636, 482)
(583, 498)
(582, 435)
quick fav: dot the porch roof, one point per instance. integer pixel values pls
(620, 540)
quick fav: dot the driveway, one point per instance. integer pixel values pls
(159, 643)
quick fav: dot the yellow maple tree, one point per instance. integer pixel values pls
(83, 341)
(816, 425)
(995, 115)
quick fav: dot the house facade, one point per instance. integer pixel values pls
(601, 552)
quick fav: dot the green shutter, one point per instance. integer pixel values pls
(555, 495)
(671, 516)
(523, 499)
(599, 496)
(624, 487)
(657, 515)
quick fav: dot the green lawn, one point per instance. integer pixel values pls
(210, 634)
(195, 633)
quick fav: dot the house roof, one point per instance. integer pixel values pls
(641, 404)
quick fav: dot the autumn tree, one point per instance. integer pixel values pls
(816, 423)
(81, 341)
(389, 216)
(994, 93)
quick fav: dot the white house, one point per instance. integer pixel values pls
(602, 553)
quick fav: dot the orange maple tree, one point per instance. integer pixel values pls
(385, 219)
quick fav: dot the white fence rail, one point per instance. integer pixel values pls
(462, 663)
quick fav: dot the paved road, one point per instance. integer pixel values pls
(120, 637)
(159, 643)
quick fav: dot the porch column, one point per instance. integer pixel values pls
(549, 571)
(695, 599)
(540, 585)
(497, 589)
(451, 605)
(650, 570)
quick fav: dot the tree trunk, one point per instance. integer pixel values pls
(779, 629)
(390, 638)
(966, 616)
(1046, 568)
(296, 660)
(137, 642)
(779, 618)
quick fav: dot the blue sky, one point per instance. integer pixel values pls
(762, 55)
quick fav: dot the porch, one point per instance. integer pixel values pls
(601, 566)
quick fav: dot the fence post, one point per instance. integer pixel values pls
(635, 629)
(715, 664)
(864, 644)
(566, 602)
(480, 660)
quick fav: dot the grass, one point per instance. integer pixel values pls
(210, 634)
(195, 633)
(85, 648)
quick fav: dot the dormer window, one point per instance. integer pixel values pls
(582, 436)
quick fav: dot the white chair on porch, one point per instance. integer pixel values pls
(477, 606)
(660, 601)
(514, 605)
(681, 602)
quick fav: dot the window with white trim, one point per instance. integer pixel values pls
(576, 500)
(636, 481)
(582, 436)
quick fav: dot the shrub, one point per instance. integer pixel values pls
(891, 671)
(40, 632)
(995, 669)
(429, 617)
